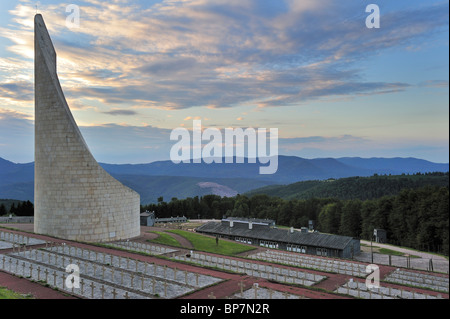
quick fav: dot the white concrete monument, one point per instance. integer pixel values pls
(75, 198)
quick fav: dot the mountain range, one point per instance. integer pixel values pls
(166, 179)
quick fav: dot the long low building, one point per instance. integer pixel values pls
(264, 234)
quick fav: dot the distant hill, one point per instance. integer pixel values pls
(394, 166)
(152, 187)
(353, 187)
(167, 179)
(11, 173)
(290, 168)
(181, 187)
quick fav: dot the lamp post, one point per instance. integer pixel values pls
(371, 248)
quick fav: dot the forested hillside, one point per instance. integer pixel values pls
(416, 218)
(354, 187)
(16, 207)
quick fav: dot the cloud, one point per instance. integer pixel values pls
(218, 54)
(114, 143)
(121, 112)
(11, 115)
(168, 67)
(434, 84)
(325, 142)
(17, 91)
(119, 143)
(109, 143)
(347, 145)
(16, 136)
(128, 56)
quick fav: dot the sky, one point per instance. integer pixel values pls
(133, 71)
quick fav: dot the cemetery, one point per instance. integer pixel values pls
(359, 290)
(10, 240)
(311, 262)
(135, 269)
(254, 269)
(431, 281)
(257, 292)
(103, 276)
(146, 248)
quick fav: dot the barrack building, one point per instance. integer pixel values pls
(264, 233)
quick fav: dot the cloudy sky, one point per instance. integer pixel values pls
(135, 70)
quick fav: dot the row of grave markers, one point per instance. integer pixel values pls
(152, 249)
(268, 293)
(18, 239)
(42, 257)
(272, 272)
(360, 290)
(419, 280)
(257, 292)
(58, 278)
(60, 249)
(402, 277)
(348, 268)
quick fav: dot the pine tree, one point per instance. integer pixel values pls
(3, 210)
(351, 219)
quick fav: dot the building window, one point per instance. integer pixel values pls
(267, 244)
(296, 248)
(243, 240)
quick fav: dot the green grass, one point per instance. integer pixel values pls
(208, 244)
(9, 294)
(164, 239)
(386, 251)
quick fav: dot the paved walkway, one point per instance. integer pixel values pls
(439, 263)
(27, 287)
(147, 235)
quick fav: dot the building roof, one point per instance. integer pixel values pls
(277, 235)
(167, 219)
(146, 214)
(248, 220)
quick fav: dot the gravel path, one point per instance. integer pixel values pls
(439, 263)
(406, 251)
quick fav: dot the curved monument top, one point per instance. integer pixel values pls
(45, 57)
(42, 37)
